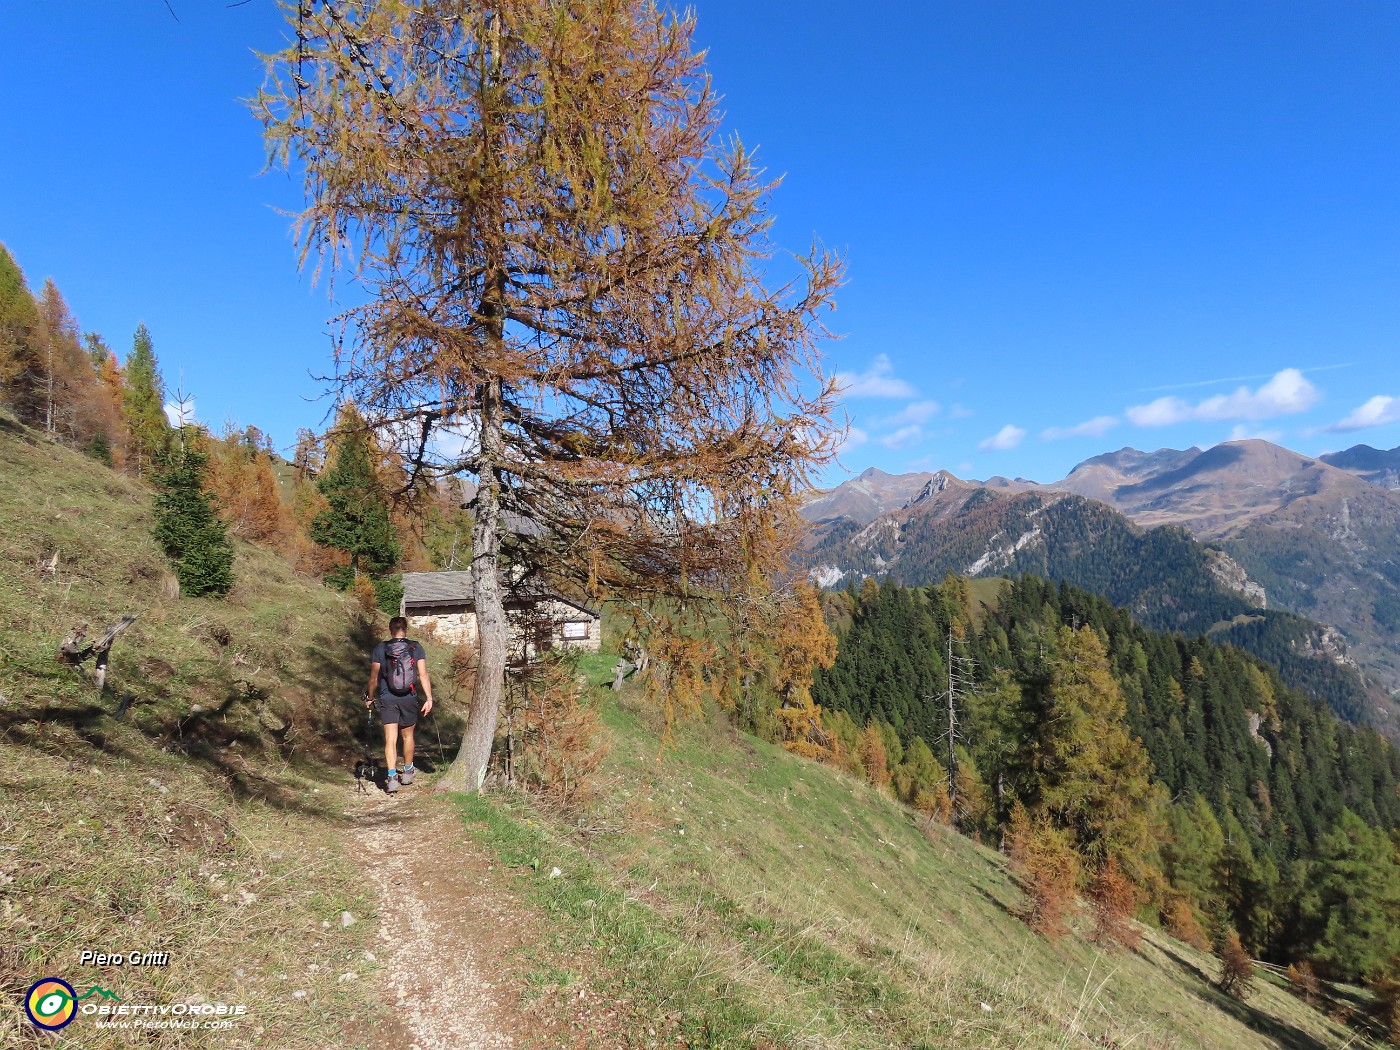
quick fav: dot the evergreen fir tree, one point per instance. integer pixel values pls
(356, 519)
(1193, 850)
(97, 348)
(99, 447)
(143, 405)
(189, 531)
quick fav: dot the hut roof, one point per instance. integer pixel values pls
(455, 588)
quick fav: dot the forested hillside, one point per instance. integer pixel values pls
(339, 510)
(1233, 800)
(1318, 533)
(1165, 578)
(1163, 575)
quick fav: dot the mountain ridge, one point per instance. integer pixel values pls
(1099, 476)
(1252, 527)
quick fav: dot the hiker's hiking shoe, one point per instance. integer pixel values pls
(391, 782)
(406, 775)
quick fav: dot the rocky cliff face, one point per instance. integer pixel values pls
(1233, 578)
(865, 497)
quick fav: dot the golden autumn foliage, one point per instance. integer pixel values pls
(558, 746)
(1386, 989)
(305, 553)
(240, 480)
(1094, 776)
(936, 804)
(1114, 900)
(1045, 863)
(1236, 968)
(874, 759)
(1305, 984)
(1181, 922)
(72, 398)
(362, 590)
(47, 376)
(589, 338)
(779, 638)
(973, 806)
(111, 383)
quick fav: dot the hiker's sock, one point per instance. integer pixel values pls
(406, 769)
(392, 773)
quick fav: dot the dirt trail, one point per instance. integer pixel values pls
(442, 929)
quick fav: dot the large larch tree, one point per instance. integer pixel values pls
(567, 301)
(1093, 776)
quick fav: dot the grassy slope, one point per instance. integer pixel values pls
(210, 834)
(727, 895)
(747, 898)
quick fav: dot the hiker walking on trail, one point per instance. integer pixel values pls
(398, 670)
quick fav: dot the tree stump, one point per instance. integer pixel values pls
(75, 650)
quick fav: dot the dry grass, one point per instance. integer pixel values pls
(188, 809)
(124, 848)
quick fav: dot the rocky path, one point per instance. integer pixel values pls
(443, 931)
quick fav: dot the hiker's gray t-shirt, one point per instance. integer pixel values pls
(378, 657)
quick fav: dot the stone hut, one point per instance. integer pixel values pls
(438, 606)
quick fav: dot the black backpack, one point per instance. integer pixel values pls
(400, 670)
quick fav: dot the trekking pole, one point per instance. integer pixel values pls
(369, 726)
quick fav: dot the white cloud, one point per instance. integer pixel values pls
(1096, 427)
(455, 442)
(876, 381)
(1241, 432)
(904, 437)
(855, 437)
(175, 409)
(1160, 413)
(1376, 412)
(915, 412)
(1007, 437)
(1286, 393)
(959, 412)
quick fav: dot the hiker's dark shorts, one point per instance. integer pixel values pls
(399, 710)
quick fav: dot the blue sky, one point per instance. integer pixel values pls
(1069, 227)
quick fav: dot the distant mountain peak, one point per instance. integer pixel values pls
(936, 484)
(865, 497)
(1375, 465)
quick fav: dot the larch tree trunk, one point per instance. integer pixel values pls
(492, 635)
